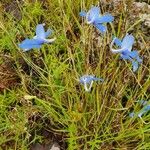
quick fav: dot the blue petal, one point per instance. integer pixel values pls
(142, 102)
(82, 13)
(131, 115)
(117, 42)
(126, 55)
(101, 27)
(48, 32)
(134, 54)
(28, 44)
(140, 114)
(86, 79)
(134, 65)
(127, 42)
(94, 12)
(40, 32)
(105, 18)
(97, 79)
(146, 108)
(89, 78)
(139, 59)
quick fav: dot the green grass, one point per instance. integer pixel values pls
(47, 96)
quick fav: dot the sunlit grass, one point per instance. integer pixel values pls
(48, 96)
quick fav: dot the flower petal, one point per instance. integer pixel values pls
(82, 13)
(134, 54)
(101, 28)
(89, 78)
(28, 44)
(140, 114)
(135, 65)
(105, 19)
(139, 59)
(126, 55)
(40, 32)
(144, 110)
(86, 79)
(117, 42)
(127, 42)
(132, 114)
(97, 79)
(94, 11)
(142, 102)
(92, 14)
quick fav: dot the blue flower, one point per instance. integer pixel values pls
(39, 39)
(125, 50)
(142, 102)
(94, 17)
(144, 110)
(132, 114)
(88, 80)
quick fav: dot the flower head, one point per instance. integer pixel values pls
(94, 17)
(132, 114)
(125, 50)
(39, 39)
(88, 80)
(142, 102)
(144, 110)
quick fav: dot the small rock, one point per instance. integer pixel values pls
(37, 146)
(55, 146)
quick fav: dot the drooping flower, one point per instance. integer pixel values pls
(87, 81)
(142, 102)
(125, 50)
(144, 110)
(94, 17)
(39, 39)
